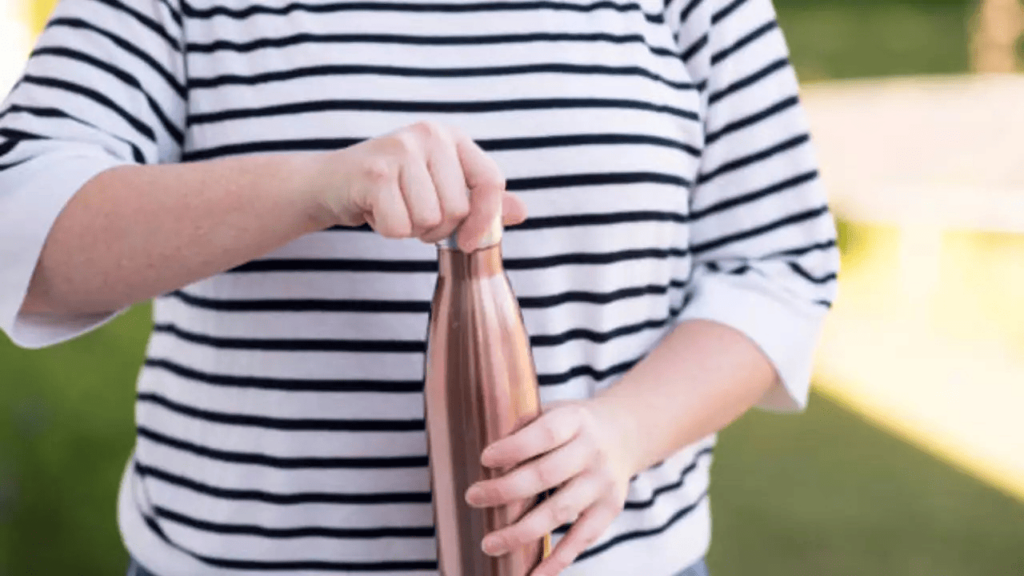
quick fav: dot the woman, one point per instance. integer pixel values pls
(273, 175)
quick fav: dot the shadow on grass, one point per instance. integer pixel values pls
(826, 493)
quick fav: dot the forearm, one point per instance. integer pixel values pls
(135, 232)
(699, 379)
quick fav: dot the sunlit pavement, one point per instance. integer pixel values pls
(927, 338)
(15, 38)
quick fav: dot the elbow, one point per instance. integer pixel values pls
(43, 320)
(45, 298)
(37, 303)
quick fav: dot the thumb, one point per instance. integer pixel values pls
(513, 209)
(556, 404)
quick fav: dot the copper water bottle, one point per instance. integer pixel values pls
(481, 385)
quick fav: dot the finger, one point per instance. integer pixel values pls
(565, 506)
(453, 196)
(513, 209)
(543, 435)
(532, 478)
(587, 529)
(389, 216)
(420, 197)
(486, 185)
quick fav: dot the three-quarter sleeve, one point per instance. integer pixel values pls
(104, 87)
(762, 236)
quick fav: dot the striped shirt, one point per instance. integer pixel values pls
(664, 159)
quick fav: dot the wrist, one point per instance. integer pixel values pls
(322, 189)
(625, 430)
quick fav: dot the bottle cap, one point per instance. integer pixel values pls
(491, 237)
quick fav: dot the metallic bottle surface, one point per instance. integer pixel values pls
(481, 386)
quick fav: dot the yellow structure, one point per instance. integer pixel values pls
(927, 337)
(998, 24)
(39, 11)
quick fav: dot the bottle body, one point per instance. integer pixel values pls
(481, 386)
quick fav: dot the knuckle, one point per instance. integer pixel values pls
(551, 433)
(428, 221)
(581, 542)
(428, 130)
(457, 205)
(611, 485)
(378, 171)
(493, 182)
(391, 229)
(405, 144)
(516, 537)
(499, 492)
(388, 231)
(578, 415)
(562, 559)
(456, 132)
(562, 513)
(589, 538)
(602, 483)
(547, 475)
(502, 540)
(425, 212)
(602, 461)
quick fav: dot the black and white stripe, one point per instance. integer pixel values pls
(662, 153)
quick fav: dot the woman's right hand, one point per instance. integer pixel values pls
(424, 181)
(197, 219)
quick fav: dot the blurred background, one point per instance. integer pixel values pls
(910, 459)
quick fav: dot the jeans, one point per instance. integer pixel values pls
(698, 569)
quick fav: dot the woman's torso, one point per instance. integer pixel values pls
(280, 410)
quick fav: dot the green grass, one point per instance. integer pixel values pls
(66, 426)
(825, 493)
(862, 38)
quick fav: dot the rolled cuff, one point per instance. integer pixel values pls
(32, 196)
(784, 328)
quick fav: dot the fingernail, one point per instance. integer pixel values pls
(492, 547)
(474, 495)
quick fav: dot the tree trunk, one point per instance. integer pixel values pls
(997, 25)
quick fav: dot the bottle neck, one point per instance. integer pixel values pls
(482, 263)
(491, 236)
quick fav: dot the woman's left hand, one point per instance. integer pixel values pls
(580, 448)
